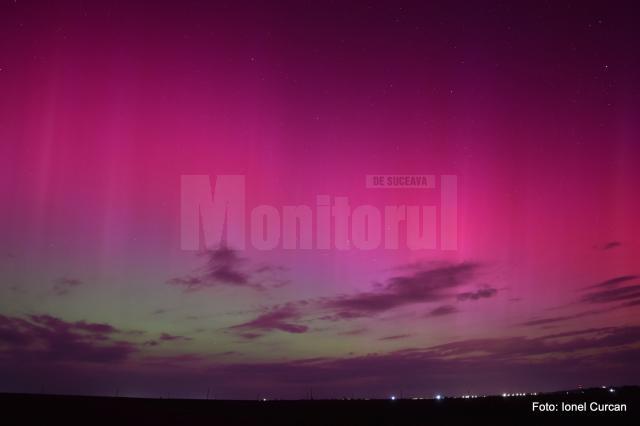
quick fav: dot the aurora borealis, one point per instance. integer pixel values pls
(105, 106)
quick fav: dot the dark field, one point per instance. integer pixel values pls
(47, 409)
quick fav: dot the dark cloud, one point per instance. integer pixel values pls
(341, 315)
(603, 293)
(483, 293)
(590, 357)
(443, 310)
(520, 346)
(63, 286)
(611, 245)
(562, 318)
(617, 289)
(279, 318)
(491, 365)
(426, 371)
(395, 337)
(224, 266)
(250, 336)
(166, 337)
(613, 281)
(630, 303)
(50, 339)
(423, 284)
(613, 295)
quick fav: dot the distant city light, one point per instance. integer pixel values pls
(393, 397)
(438, 397)
(612, 390)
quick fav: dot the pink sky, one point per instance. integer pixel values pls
(105, 106)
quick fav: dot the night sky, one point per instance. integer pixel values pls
(106, 105)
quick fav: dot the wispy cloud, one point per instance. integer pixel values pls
(483, 293)
(613, 295)
(616, 289)
(604, 355)
(562, 318)
(63, 286)
(442, 311)
(225, 267)
(395, 337)
(613, 281)
(47, 338)
(606, 294)
(423, 284)
(280, 318)
(607, 337)
(610, 245)
(166, 337)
